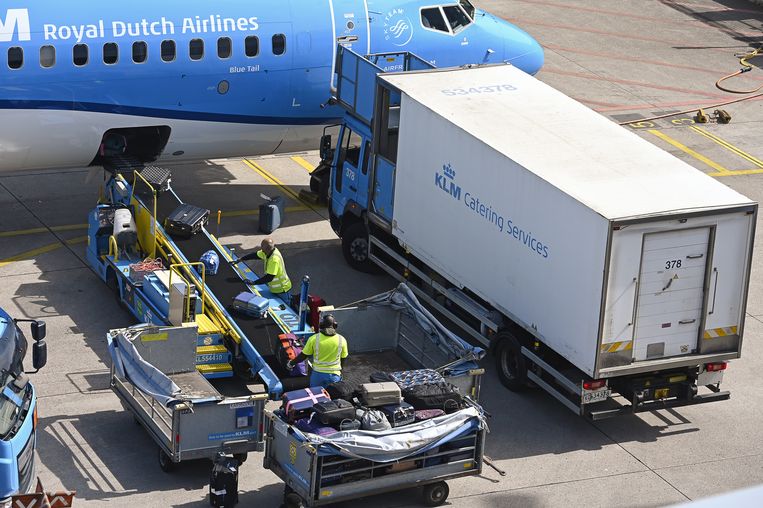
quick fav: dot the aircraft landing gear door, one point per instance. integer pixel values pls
(671, 295)
(351, 25)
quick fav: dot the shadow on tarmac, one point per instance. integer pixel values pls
(737, 11)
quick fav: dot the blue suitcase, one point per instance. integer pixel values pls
(249, 304)
(271, 214)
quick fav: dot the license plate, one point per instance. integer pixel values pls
(661, 393)
(589, 397)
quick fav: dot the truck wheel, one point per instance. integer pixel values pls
(292, 500)
(165, 462)
(435, 494)
(511, 365)
(355, 248)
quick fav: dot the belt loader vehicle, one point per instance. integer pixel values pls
(593, 264)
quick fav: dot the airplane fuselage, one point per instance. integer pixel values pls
(198, 80)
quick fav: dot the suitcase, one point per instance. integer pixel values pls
(399, 414)
(379, 394)
(434, 396)
(289, 350)
(313, 316)
(223, 483)
(313, 426)
(186, 220)
(332, 412)
(299, 403)
(251, 305)
(372, 419)
(159, 178)
(272, 214)
(341, 390)
(427, 414)
(380, 377)
(408, 378)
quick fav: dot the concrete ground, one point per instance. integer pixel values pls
(625, 59)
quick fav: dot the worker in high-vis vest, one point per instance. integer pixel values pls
(275, 275)
(328, 350)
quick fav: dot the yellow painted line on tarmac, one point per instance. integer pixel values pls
(278, 183)
(738, 172)
(40, 250)
(32, 231)
(302, 162)
(725, 144)
(720, 169)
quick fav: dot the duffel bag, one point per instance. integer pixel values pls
(372, 419)
(434, 396)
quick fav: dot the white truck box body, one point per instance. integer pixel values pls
(545, 209)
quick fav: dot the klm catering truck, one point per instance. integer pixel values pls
(18, 405)
(594, 264)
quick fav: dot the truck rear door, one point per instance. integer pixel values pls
(671, 293)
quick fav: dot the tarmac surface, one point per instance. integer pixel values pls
(627, 60)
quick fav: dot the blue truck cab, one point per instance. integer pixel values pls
(18, 404)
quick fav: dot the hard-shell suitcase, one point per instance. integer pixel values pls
(223, 484)
(290, 349)
(399, 414)
(249, 304)
(159, 178)
(332, 412)
(434, 396)
(186, 220)
(312, 425)
(407, 378)
(299, 403)
(341, 390)
(313, 304)
(379, 394)
(271, 214)
(427, 414)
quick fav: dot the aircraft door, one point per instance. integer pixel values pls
(351, 24)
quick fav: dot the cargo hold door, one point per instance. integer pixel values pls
(671, 293)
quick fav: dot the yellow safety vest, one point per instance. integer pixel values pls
(275, 266)
(327, 352)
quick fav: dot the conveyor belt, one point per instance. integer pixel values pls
(225, 285)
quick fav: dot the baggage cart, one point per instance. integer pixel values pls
(193, 420)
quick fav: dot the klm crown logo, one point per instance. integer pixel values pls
(445, 181)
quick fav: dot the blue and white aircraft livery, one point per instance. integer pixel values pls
(181, 80)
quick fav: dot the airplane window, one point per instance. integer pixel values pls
(110, 53)
(252, 46)
(456, 17)
(168, 50)
(224, 48)
(279, 44)
(139, 52)
(47, 56)
(80, 54)
(468, 8)
(432, 18)
(15, 57)
(196, 48)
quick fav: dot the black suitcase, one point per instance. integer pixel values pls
(159, 178)
(434, 396)
(223, 484)
(399, 414)
(341, 390)
(333, 412)
(271, 214)
(186, 220)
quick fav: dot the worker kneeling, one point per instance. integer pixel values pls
(328, 350)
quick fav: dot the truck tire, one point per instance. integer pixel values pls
(355, 248)
(511, 365)
(435, 494)
(165, 462)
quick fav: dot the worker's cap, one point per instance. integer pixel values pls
(329, 324)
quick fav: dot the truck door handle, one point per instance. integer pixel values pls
(686, 321)
(694, 256)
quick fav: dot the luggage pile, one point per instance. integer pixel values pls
(391, 400)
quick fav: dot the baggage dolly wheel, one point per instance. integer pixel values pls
(291, 499)
(435, 494)
(165, 462)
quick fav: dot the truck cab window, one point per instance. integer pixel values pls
(432, 19)
(349, 151)
(110, 53)
(15, 57)
(457, 19)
